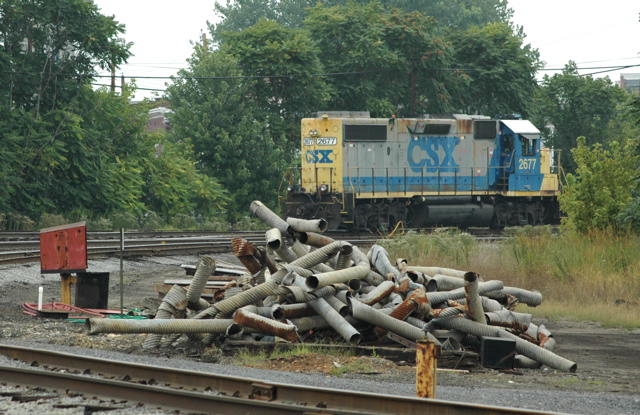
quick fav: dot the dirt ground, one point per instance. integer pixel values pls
(608, 359)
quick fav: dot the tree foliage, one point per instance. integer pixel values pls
(601, 188)
(218, 117)
(500, 71)
(575, 106)
(65, 148)
(238, 15)
(389, 61)
(285, 63)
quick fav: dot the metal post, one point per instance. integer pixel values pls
(121, 273)
(426, 369)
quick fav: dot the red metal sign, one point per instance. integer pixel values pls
(63, 249)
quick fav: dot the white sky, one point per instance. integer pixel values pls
(589, 33)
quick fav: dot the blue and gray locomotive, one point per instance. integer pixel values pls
(459, 170)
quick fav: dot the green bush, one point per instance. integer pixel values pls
(18, 222)
(100, 224)
(48, 220)
(183, 222)
(151, 220)
(124, 220)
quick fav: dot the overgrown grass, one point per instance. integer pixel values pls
(244, 356)
(580, 276)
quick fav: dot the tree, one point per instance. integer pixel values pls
(284, 63)
(214, 110)
(568, 106)
(458, 13)
(396, 59)
(238, 15)
(50, 48)
(499, 68)
(601, 188)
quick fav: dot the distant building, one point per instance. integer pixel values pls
(158, 119)
(630, 82)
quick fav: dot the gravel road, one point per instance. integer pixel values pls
(607, 379)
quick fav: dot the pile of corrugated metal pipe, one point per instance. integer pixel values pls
(303, 283)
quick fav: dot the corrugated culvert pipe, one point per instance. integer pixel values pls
(175, 300)
(162, 326)
(523, 347)
(530, 298)
(436, 270)
(205, 268)
(307, 225)
(379, 258)
(438, 297)
(337, 322)
(269, 217)
(245, 317)
(314, 239)
(473, 297)
(372, 316)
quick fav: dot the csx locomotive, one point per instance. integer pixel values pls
(457, 170)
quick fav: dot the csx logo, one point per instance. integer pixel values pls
(433, 153)
(318, 156)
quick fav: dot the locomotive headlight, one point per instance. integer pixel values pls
(323, 188)
(313, 133)
(289, 188)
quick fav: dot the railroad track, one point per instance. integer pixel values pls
(23, 247)
(185, 390)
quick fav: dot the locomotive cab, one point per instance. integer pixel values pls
(517, 165)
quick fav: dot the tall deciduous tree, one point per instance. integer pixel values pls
(500, 69)
(238, 15)
(396, 60)
(214, 109)
(284, 63)
(568, 106)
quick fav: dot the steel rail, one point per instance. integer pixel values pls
(155, 395)
(14, 252)
(331, 400)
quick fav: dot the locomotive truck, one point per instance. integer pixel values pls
(456, 170)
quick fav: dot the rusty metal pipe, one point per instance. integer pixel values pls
(314, 239)
(245, 317)
(523, 347)
(259, 292)
(378, 293)
(509, 319)
(307, 225)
